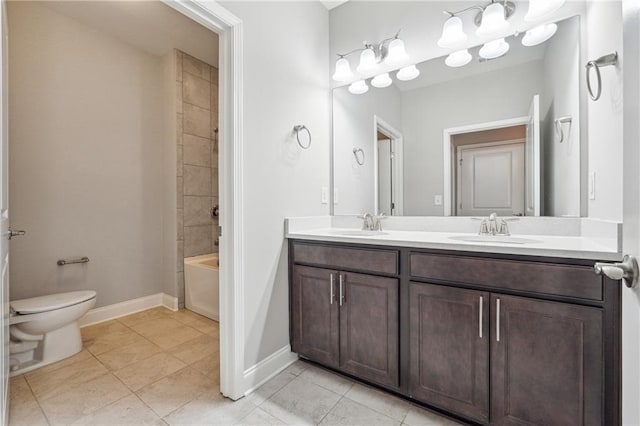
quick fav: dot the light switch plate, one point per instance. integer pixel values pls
(324, 197)
(437, 200)
(592, 186)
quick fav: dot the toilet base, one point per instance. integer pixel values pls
(55, 346)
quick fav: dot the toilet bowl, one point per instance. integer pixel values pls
(45, 329)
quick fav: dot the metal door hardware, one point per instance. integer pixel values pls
(12, 233)
(627, 270)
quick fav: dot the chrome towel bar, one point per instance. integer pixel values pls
(63, 262)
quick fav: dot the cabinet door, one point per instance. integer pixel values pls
(449, 348)
(369, 327)
(315, 315)
(546, 363)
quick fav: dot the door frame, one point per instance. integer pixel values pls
(458, 170)
(398, 156)
(630, 409)
(448, 154)
(229, 28)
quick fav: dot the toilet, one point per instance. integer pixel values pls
(45, 329)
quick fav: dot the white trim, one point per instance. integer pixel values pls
(128, 307)
(215, 17)
(447, 194)
(396, 139)
(260, 373)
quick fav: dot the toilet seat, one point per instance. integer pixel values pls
(50, 302)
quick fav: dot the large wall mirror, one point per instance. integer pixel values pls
(500, 135)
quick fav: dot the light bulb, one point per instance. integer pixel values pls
(493, 21)
(396, 54)
(458, 59)
(494, 49)
(359, 87)
(382, 80)
(367, 61)
(453, 34)
(539, 34)
(343, 70)
(408, 73)
(542, 9)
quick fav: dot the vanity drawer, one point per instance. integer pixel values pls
(361, 259)
(543, 278)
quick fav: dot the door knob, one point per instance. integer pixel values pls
(12, 233)
(627, 270)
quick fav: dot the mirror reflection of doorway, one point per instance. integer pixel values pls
(490, 172)
(388, 173)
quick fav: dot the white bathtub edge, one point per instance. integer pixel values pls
(128, 307)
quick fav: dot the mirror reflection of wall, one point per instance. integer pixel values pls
(533, 173)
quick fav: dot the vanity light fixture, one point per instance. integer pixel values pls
(539, 34)
(458, 59)
(453, 34)
(343, 70)
(367, 60)
(391, 51)
(396, 54)
(408, 73)
(494, 49)
(494, 21)
(359, 87)
(542, 9)
(381, 81)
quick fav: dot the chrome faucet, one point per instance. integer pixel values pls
(492, 225)
(367, 222)
(372, 222)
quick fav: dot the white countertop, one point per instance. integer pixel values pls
(573, 246)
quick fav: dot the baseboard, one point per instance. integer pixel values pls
(128, 307)
(256, 375)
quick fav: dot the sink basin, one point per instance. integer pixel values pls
(500, 239)
(358, 233)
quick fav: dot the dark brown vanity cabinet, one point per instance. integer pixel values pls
(493, 339)
(546, 363)
(449, 348)
(346, 320)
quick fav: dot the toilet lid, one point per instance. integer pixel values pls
(51, 302)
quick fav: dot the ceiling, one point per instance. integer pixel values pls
(333, 3)
(148, 25)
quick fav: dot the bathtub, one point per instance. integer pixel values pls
(201, 289)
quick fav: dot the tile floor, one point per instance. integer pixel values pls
(160, 367)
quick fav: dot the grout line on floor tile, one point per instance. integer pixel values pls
(37, 400)
(331, 409)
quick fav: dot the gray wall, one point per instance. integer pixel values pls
(353, 128)
(561, 161)
(86, 172)
(427, 112)
(286, 82)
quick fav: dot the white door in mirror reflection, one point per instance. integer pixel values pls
(533, 169)
(491, 179)
(385, 177)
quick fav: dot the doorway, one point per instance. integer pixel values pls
(388, 165)
(490, 172)
(220, 21)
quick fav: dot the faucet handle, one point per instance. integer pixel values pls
(484, 227)
(504, 228)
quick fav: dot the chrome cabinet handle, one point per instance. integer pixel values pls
(331, 291)
(480, 318)
(497, 320)
(341, 291)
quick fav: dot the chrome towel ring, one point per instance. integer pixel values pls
(603, 61)
(299, 128)
(359, 158)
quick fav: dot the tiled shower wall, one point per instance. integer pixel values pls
(197, 168)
